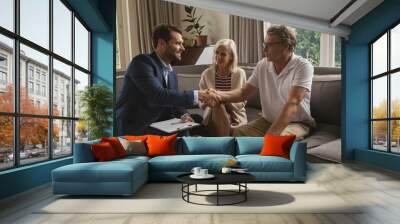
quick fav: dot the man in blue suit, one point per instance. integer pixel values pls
(150, 90)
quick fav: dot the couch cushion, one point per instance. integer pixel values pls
(277, 145)
(257, 163)
(83, 152)
(330, 151)
(184, 163)
(112, 171)
(326, 99)
(207, 145)
(249, 145)
(103, 151)
(161, 145)
(323, 133)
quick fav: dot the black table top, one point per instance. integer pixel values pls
(220, 178)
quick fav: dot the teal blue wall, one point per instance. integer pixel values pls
(24, 178)
(99, 16)
(102, 62)
(356, 84)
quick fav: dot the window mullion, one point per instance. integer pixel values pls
(73, 83)
(50, 81)
(389, 106)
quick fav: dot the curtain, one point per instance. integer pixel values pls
(249, 36)
(135, 22)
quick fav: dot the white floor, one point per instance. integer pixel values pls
(379, 190)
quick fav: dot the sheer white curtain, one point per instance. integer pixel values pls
(135, 22)
(248, 35)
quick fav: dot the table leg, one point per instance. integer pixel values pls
(217, 194)
(245, 191)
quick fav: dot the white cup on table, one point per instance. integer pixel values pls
(203, 172)
(226, 170)
(196, 170)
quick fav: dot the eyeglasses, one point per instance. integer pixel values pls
(269, 45)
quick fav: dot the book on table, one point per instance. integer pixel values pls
(173, 125)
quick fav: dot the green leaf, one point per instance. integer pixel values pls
(189, 28)
(198, 19)
(188, 9)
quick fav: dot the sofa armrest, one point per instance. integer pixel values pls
(298, 157)
(83, 152)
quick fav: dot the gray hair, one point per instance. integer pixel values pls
(232, 46)
(285, 34)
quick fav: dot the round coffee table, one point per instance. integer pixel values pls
(238, 179)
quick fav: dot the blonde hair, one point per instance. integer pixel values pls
(230, 44)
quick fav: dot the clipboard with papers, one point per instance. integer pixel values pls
(173, 125)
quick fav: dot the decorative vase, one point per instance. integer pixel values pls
(201, 40)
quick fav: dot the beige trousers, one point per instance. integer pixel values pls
(259, 127)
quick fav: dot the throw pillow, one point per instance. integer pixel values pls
(135, 147)
(136, 137)
(275, 145)
(116, 145)
(103, 151)
(161, 145)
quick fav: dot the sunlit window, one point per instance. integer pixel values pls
(45, 100)
(385, 94)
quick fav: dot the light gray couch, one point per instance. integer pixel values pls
(325, 106)
(324, 141)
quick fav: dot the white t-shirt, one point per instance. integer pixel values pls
(274, 89)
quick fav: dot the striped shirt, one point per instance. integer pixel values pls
(223, 82)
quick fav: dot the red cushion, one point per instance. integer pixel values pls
(161, 145)
(116, 145)
(276, 145)
(103, 151)
(136, 137)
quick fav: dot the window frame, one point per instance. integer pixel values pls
(388, 74)
(16, 114)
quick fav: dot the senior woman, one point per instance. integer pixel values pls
(224, 75)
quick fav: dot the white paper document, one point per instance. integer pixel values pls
(173, 125)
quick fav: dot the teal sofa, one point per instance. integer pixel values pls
(125, 176)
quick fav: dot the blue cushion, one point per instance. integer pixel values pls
(111, 171)
(257, 163)
(83, 153)
(207, 145)
(249, 145)
(184, 163)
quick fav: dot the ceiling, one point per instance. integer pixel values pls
(328, 16)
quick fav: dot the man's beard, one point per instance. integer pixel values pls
(172, 55)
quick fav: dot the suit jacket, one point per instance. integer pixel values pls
(145, 98)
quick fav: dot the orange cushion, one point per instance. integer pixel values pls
(134, 137)
(161, 145)
(276, 145)
(116, 145)
(103, 151)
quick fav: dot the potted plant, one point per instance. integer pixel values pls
(96, 102)
(194, 26)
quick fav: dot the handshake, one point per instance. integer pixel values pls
(210, 97)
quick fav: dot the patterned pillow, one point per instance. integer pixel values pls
(134, 147)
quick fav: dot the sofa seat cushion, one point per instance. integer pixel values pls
(207, 145)
(257, 163)
(322, 134)
(112, 171)
(185, 163)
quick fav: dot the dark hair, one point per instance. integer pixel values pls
(163, 31)
(285, 34)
